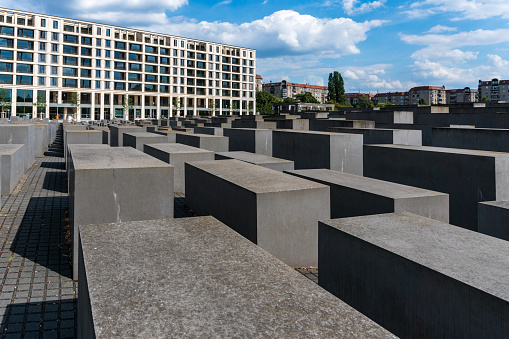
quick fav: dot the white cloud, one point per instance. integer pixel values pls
(466, 9)
(126, 5)
(351, 6)
(441, 29)
(472, 38)
(226, 2)
(444, 56)
(372, 78)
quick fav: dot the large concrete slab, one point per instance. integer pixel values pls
(138, 139)
(170, 134)
(214, 143)
(116, 134)
(494, 219)
(353, 195)
(468, 176)
(177, 155)
(308, 150)
(257, 159)
(209, 130)
(12, 163)
(116, 184)
(384, 136)
(249, 140)
(486, 139)
(20, 134)
(196, 278)
(80, 136)
(417, 277)
(277, 211)
(324, 124)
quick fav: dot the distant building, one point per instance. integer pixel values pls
(467, 94)
(259, 83)
(433, 95)
(286, 89)
(395, 98)
(494, 90)
(353, 98)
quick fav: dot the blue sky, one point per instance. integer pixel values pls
(376, 45)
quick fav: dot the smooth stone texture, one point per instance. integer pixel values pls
(196, 278)
(116, 134)
(249, 140)
(418, 277)
(177, 155)
(353, 195)
(257, 159)
(138, 139)
(20, 134)
(77, 136)
(494, 219)
(324, 124)
(384, 136)
(308, 150)
(277, 211)
(468, 176)
(109, 184)
(12, 162)
(212, 143)
(40, 140)
(209, 130)
(170, 134)
(486, 139)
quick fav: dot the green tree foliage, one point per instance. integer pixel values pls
(422, 101)
(337, 106)
(289, 100)
(5, 100)
(264, 102)
(307, 97)
(336, 88)
(364, 102)
(484, 99)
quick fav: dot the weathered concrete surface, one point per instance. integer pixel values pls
(78, 136)
(177, 155)
(222, 286)
(277, 211)
(116, 134)
(12, 163)
(257, 159)
(324, 124)
(212, 143)
(486, 139)
(336, 151)
(116, 184)
(170, 134)
(353, 195)
(417, 277)
(384, 136)
(468, 176)
(209, 130)
(494, 219)
(249, 140)
(138, 139)
(20, 134)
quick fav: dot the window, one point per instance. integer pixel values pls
(107, 74)
(85, 73)
(107, 64)
(119, 55)
(86, 51)
(54, 81)
(54, 36)
(97, 52)
(42, 35)
(86, 41)
(42, 57)
(43, 22)
(99, 31)
(70, 61)
(98, 42)
(107, 32)
(5, 67)
(54, 59)
(6, 42)
(107, 54)
(151, 59)
(150, 69)
(106, 85)
(119, 45)
(42, 69)
(97, 84)
(24, 56)
(86, 62)
(41, 81)
(54, 70)
(22, 44)
(5, 79)
(98, 63)
(26, 33)
(150, 49)
(108, 43)
(135, 67)
(24, 80)
(85, 84)
(150, 78)
(70, 49)
(54, 47)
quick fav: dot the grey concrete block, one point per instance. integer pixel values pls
(196, 278)
(257, 159)
(277, 211)
(336, 151)
(170, 134)
(353, 195)
(417, 277)
(213, 143)
(493, 219)
(177, 155)
(116, 134)
(78, 136)
(468, 176)
(255, 124)
(20, 134)
(12, 164)
(324, 124)
(106, 185)
(486, 139)
(209, 130)
(384, 136)
(249, 140)
(138, 139)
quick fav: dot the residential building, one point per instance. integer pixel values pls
(395, 98)
(494, 90)
(462, 95)
(102, 71)
(353, 98)
(286, 89)
(432, 95)
(259, 83)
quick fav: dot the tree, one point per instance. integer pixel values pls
(364, 102)
(212, 106)
(176, 106)
(5, 100)
(336, 88)
(40, 104)
(422, 101)
(234, 108)
(264, 102)
(484, 99)
(289, 100)
(75, 102)
(128, 104)
(307, 97)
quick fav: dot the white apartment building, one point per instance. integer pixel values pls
(53, 66)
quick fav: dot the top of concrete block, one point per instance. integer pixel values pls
(317, 132)
(144, 135)
(500, 204)
(370, 185)
(195, 277)
(444, 150)
(249, 129)
(205, 135)
(131, 127)
(253, 158)
(78, 131)
(177, 148)
(112, 158)
(255, 178)
(453, 251)
(7, 149)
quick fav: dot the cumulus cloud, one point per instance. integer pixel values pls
(352, 6)
(372, 78)
(466, 9)
(441, 29)
(472, 38)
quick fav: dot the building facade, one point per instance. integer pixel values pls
(286, 89)
(432, 95)
(394, 98)
(259, 82)
(494, 90)
(462, 95)
(53, 66)
(353, 98)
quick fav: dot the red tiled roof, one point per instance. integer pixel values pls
(296, 85)
(421, 88)
(258, 76)
(391, 94)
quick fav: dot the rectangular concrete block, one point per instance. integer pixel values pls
(209, 130)
(257, 159)
(257, 141)
(170, 134)
(353, 195)
(187, 278)
(468, 176)
(20, 134)
(417, 277)
(493, 219)
(486, 139)
(277, 211)
(116, 134)
(12, 163)
(138, 139)
(212, 143)
(177, 155)
(324, 124)
(79, 136)
(384, 136)
(116, 184)
(309, 150)
(255, 124)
